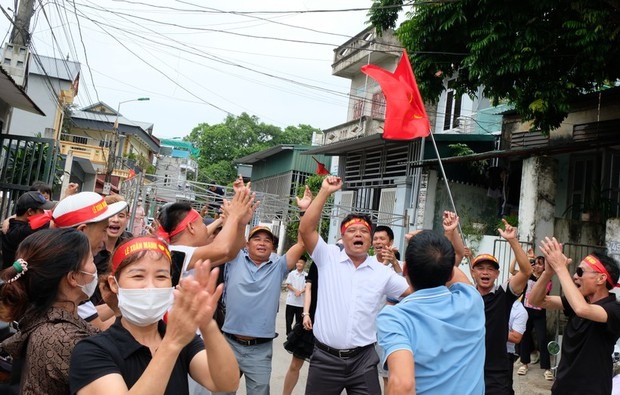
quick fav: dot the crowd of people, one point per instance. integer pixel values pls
(190, 306)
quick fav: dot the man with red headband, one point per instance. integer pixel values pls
(352, 287)
(88, 212)
(593, 326)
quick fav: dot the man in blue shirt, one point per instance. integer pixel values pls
(434, 338)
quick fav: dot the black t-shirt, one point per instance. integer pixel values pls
(586, 366)
(497, 307)
(313, 279)
(116, 351)
(17, 232)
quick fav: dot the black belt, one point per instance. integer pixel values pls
(249, 342)
(346, 353)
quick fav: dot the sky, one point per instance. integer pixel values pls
(200, 60)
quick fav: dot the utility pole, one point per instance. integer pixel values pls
(20, 35)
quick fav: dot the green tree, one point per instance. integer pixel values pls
(314, 183)
(236, 137)
(539, 56)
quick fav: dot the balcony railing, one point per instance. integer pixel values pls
(89, 148)
(362, 127)
(350, 56)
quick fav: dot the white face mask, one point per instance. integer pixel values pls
(144, 306)
(89, 289)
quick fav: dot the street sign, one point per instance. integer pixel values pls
(107, 188)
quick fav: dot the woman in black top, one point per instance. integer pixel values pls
(141, 354)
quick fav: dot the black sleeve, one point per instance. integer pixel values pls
(91, 360)
(568, 310)
(613, 317)
(189, 352)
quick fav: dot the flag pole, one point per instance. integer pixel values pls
(443, 173)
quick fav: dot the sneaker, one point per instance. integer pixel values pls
(522, 371)
(535, 357)
(548, 375)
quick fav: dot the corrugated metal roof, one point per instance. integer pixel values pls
(62, 69)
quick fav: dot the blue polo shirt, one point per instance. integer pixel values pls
(444, 330)
(253, 295)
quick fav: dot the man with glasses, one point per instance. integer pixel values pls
(498, 302)
(593, 325)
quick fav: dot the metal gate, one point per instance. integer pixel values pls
(24, 160)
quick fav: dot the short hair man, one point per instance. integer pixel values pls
(498, 302)
(593, 325)
(444, 307)
(383, 244)
(352, 285)
(28, 204)
(296, 285)
(252, 296)
(88, 212)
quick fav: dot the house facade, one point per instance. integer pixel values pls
(176, 169)
(389, 179)
(48, 78)
(99, 139)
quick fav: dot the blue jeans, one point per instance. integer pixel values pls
(255, 363)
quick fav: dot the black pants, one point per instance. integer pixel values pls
(330, 375)
(536, 327)
(293, 311)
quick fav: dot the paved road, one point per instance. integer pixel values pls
(531, 384)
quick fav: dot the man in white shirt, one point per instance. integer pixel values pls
(352, 286)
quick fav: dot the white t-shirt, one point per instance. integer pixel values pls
(298, 281)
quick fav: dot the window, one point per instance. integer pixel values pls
(453, 108)
(80, 140)
(584, 174)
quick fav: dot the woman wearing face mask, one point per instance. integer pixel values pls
(54, 273)
(141, 354)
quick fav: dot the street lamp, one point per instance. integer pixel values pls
(107, 186)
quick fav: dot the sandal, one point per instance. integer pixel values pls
(548, 375)
(522, 371)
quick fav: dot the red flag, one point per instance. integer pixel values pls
(405, 115)
(76, 84)
(320, 168)
(132, 174)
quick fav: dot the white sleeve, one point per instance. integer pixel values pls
(87, 311)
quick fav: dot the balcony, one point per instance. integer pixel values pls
(94, 150)
(362, 127)
(363, 49)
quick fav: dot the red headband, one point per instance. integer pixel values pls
(598, 266)
(354, 221)
(38, 220)
(82, 215)
(135, 245)
(191, 216)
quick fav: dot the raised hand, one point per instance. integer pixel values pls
(509, 231)
(238, 185)
(305, 201)
(554, 257)
(450, 221)
(331, 184)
